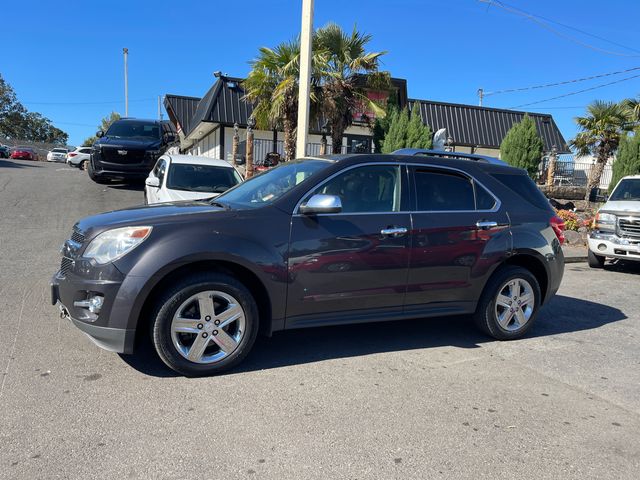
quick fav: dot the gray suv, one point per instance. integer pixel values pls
(318, 241)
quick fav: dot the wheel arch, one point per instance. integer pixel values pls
(142, 314)
(537, 268)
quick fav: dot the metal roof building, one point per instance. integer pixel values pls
(484, 127)
(472, 128)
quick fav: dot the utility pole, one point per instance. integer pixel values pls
(480, 96)
(125, 52)
(160, 107)
(304, 88)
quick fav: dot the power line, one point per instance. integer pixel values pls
(88, 103)
(575, 80)
(541, 22)
(579, 91)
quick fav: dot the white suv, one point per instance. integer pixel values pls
(57, 155)
(617, 225)
(79, 157)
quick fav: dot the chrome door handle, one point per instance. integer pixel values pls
(485, 224)
(393, 231)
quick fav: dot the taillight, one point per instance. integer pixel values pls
(558, 227)
(72, 154)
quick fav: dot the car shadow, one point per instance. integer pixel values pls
(622, 266)
(296, 347)
(6, 163)
(133, 186)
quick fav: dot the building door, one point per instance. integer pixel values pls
(358, 144)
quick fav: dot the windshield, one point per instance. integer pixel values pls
(628, 189)
(263, 189)
(129, 129)
(201, 178)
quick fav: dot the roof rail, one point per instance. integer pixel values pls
(443, 154)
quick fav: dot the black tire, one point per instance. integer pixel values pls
(83, 165)
(485, 316)
(93, 176)
(180, 293)
(595, 261)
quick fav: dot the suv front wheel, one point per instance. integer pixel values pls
(509, 303)
(205, 324)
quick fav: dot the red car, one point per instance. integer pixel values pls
(24, 153)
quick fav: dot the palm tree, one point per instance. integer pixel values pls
(632, 105)
(601, 131)
(344, 60)
(272, 85)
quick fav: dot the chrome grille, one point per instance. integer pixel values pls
(629, 226)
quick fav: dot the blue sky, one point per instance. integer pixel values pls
(65, 58)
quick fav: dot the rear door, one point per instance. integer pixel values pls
(460, 231)
(351, 264)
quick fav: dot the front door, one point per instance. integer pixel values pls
(355, 261)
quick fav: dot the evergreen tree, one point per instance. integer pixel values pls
(397, 135)
(522, 146)
(406, 131)
(627, 161)
(418, 134)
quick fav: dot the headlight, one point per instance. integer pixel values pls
(605, 221)
(113, 244)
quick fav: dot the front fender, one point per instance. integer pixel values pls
(262, 251)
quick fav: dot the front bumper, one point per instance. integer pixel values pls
(68, 289)
(610, 245)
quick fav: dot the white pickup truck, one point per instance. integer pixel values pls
(617, 225)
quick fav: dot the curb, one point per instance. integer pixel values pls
(575, 259)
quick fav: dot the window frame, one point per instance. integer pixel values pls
(405, 195)
(442, 170)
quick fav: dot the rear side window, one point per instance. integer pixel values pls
(484, 200)
(439, 191)
(524, 187)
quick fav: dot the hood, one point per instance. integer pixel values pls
(182, 195)
(150, 144)
(144, 215)
(622, 207)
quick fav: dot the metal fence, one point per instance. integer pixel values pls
(262, 147)
(574, 174)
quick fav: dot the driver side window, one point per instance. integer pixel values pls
(372, 188)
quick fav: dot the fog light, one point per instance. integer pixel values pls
(602, 247)
(94, 303)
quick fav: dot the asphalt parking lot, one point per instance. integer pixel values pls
(416, 399)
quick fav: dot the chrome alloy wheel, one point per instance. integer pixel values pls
(208, 327)
(514, 304)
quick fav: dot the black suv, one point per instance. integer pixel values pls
(318, 241)
(129, 149)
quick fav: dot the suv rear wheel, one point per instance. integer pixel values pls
(509, 303)
(205, 324)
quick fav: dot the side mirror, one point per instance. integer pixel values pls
(99, 134)
(152, 182)
(321, 204)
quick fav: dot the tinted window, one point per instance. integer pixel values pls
(272, 184)
(484, 200)
(366, 189)
(628, 189)
(133, 129)
(523, 186)
(201, 178)
(439, 191)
